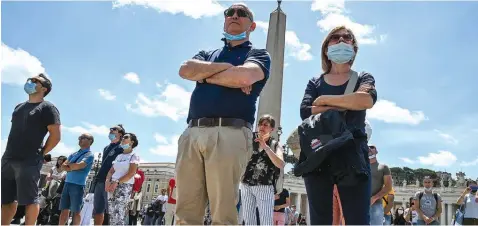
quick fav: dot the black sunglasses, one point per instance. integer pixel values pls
(126, 137)
(83, 137)
(345, 37)
(34, 80)
(371, 147)
(240, 13)
(113, 129)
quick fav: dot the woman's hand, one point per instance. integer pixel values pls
(262, 142)
(113, 186)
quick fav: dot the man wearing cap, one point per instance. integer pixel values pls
(24, 153)
(215, 148)
(381, 186)
(100, 203)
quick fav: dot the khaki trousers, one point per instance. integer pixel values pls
(168, 217)
(209, 166)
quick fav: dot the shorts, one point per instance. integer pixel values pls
(20, 181)
(72, 197)
(100, 203)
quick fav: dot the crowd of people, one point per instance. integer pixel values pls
(225, 173)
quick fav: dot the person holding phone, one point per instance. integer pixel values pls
(258, 182)
(469, 198)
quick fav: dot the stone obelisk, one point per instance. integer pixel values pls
(271, 96)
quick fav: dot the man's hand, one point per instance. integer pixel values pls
(320, 101)
(373, 200)
(428, 220)
(247, 90)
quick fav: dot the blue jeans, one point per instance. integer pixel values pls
(376, 213)
(388, 219)
(422, 222)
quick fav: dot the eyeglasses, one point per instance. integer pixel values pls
(345, 37)
(113, 129)
(240, 13)
(83, 137)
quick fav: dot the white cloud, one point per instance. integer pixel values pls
(165, 147)
(447, 137)
(440, 159)
(195, 9)
(389, 112)
(132, 77)
(294, 47)
(107, 95)
(17, 65)
(62, 149)
(407, 160)
(334, 15)
(471, 163)
(101, 130)
(173, 102)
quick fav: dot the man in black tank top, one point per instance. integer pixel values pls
(258, 182)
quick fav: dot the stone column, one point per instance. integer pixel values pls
(443, 214)
(270, 100)
(297, 202)
(307, 208)
(449, 213)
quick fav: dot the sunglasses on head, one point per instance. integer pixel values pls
(345, 37)
(240, 13)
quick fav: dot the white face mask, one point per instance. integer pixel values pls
(400, 212)
(372, 156)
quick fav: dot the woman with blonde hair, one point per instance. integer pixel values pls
(349, 167)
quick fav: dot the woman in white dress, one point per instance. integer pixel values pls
(120, 180)
(55, 176)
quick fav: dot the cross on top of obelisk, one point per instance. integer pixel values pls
(278, 3)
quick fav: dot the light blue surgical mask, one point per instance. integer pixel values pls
(30, 87)
(230, 37)
(112, 136)
(340, 53)
(125, 146)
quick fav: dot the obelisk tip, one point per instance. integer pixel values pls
(278, 3)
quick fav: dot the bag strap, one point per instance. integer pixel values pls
(352, 82)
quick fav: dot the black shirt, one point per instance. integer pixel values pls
(318, 87)
(109, 155)
(281, 200)
(260, 170)
(30, 123)
(214, 101)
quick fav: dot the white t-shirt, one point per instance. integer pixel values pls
(164, 199)
(471, 207)
(57, 175)
(414, 215)
(121, 166)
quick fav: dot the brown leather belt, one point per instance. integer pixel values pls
(212, 122)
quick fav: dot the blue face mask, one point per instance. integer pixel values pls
(340, 53)
(124, 146)
(30, 87)
(230, 37)
(111, 136)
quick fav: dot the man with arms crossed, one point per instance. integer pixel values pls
(23, 157)
(215, 148)
(427, 204)
(381, 186)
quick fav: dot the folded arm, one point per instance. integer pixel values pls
(362, 99)
(197, 70)
(133, 167)
(238, 76)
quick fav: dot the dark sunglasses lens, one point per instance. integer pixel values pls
(229, 12)
(242, 13)
(113, 129)
(126, 137)
(347, 37)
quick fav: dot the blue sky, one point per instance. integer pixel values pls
(118, 63)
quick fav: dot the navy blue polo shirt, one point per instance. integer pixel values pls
(109, 155)
(214, 101)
